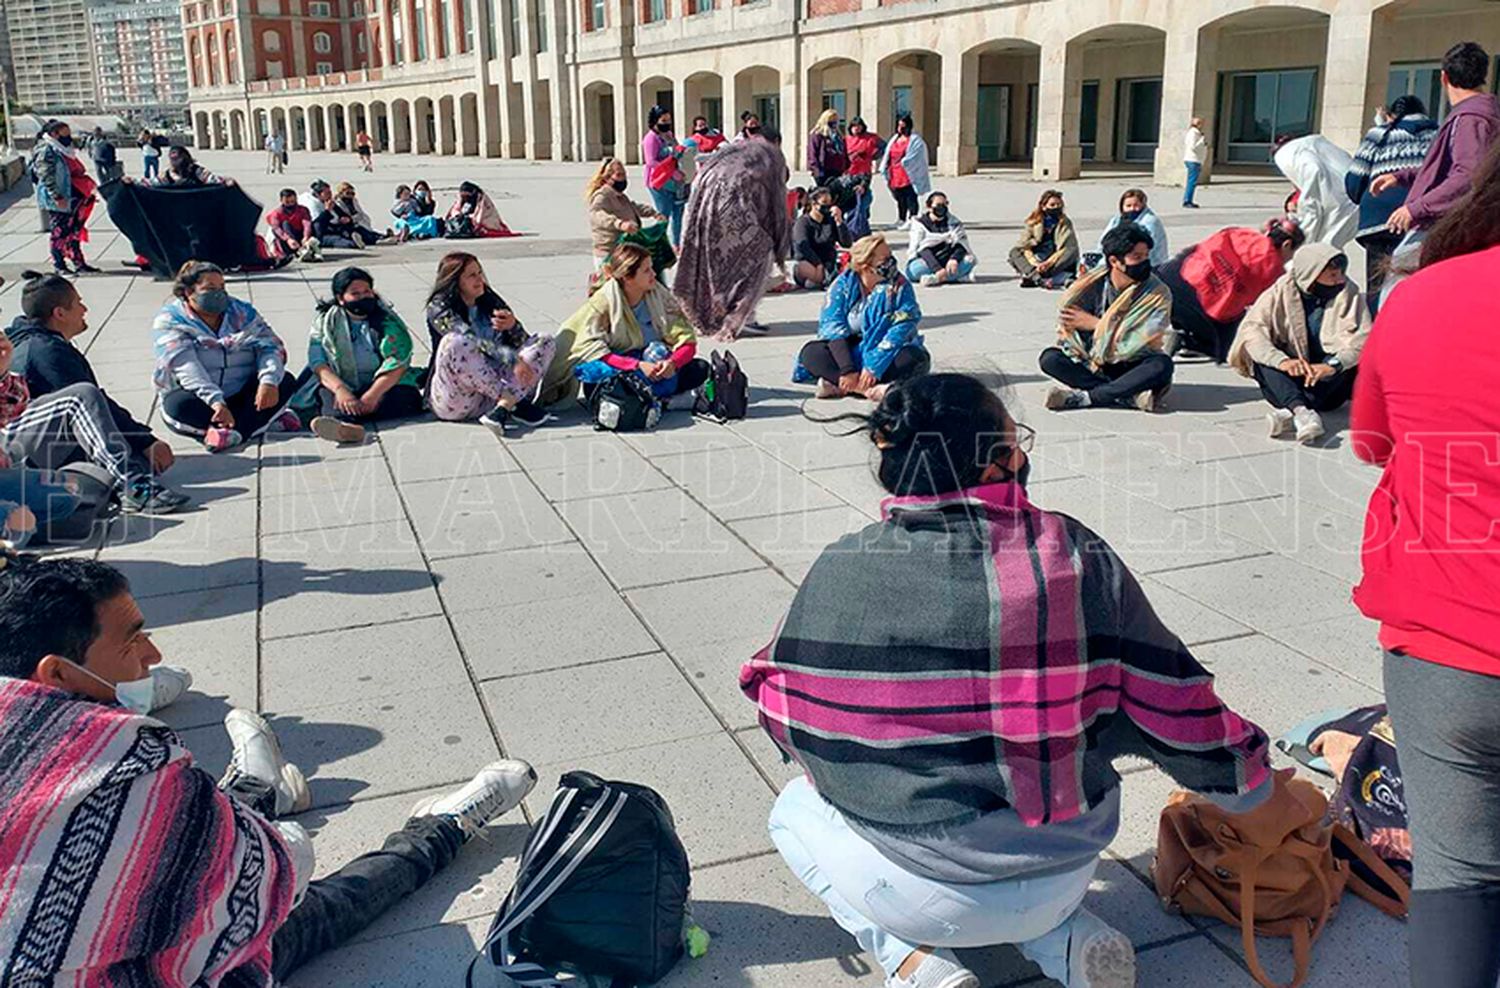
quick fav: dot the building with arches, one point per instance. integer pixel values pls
(1049, 86)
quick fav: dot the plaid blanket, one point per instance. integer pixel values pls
(972, 652)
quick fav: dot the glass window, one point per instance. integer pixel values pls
(320, 8)
(1423, 80)
(1088, 119)
(596, 15)
(713, 109)
(419, 28)
(768, 108)
(515, 26)
(837, 99)
(1142, 124)
(325, 68)
(398, 32)
(900, 101)
(357, 8)
(542, 31)
(270, 41)
(1264, 106)
(322, 43)
(273, 69)
(361, 44)
(656, 10)
(442, 24)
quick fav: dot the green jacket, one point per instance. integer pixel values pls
(330, 329)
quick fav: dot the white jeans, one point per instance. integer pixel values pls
(891, 911)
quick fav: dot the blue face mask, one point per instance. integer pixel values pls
(136, 695)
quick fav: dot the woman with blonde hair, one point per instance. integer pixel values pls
(630, 325)
(868, 334)
(612, 214)
(827, 155)
(1046, 256)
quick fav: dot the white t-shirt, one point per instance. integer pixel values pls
(1194, 145)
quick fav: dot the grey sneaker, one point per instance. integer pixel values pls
(1099, 956)
(167, 684)
(1065, 399)
(334, 430)
(495, 791)
(147, 497)
(257, 754)
(941, 969)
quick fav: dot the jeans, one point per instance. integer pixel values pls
(1284, 391)
(891, 912)
(689, 376)
(829, 360)
(153, 165)
(666, 202)
(1194, 168)
(1058, 277)
(42, 491)
(917, 269)
(859, 223)
(186, 414)
(1113, 384)
(1449, 741)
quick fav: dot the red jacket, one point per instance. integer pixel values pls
(1426, 409)
(1230, 269)
(708, 142)
(864, 150)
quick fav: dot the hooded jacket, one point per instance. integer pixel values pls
(1448, 172)
(50, 363)
(1275, 328)
(1317, 166)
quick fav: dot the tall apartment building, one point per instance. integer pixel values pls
(140, 62)
(51, 55)
(1049, 85)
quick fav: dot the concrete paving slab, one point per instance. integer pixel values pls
(518, 576)
(487, 513)
(743, 608)
(154, 571)
(514, 639)
(392, 962)
(598, 466)
(443, 450)
(1275, 686)
(744, 483)
(211, 633)
(794, 542)
(1350, 644)
(361, 663)
(1253, 591)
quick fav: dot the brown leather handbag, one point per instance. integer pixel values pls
(1270, 871)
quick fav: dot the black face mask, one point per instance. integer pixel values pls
(940, 212)
(888, 269)
(66, 140)
(621, 185)
(752, 130)
(701, 130)
(1137, 272)
(1325, 293)
(664, 128)
(363, 308)
(1052, 211)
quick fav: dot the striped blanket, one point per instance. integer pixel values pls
(972, 652)
(121, 863)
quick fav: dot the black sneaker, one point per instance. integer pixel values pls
(529, 413)
(84, 268)
(497, 420)
(147, 497)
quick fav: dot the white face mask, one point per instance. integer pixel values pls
(136, 695)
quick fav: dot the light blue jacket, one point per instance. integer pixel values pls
(891, 321)
(1151, 223)
(49, 174)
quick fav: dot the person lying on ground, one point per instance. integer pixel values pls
(630, 325)
(938, 251)
(1046, 255)
(1301, 341)
(924, 821)
(485, 365)
(220, 368)
(360, 351)
(816, 238)
(869, 333)
(1114, 332)
(192, 883)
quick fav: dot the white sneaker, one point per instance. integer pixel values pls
(334, 430)
(1278, 422)
(941, 969)
(1309, 425)
(929, 280)
(828, 391)
(495, 791)
(1099, 956)
(257, 754)
(167, 684)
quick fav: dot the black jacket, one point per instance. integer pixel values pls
(49, 363)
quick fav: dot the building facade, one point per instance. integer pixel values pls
(51, 55)
(1050, 85)
(140, 61)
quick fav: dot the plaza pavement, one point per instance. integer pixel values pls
(406, 610)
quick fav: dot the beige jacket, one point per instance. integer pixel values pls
(1275, 328)
(609, 211)
(1064, 240)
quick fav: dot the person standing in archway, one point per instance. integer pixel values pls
(904, 165)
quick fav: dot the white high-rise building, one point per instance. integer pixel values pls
(139, 60)
(51, 55)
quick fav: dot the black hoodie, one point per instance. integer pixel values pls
(50, 363)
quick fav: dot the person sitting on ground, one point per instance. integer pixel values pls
(69, 416)
(485, 365)
(630, 325)
(317, 198)
(1114, 332)
(1134, 209)
(869, 334)
(361, 352)
(955, 683)
(292, 229)
(612, 214)
(191, 882)
(411, 222)
(220, 368)
(421, 192)
(816, 238)
(344, 223)
(1301, 341)
(183, 172)
(473, 214)
(30, 499)
(938, 251)
(1047, 253)
(707, 139)
(1215, 281)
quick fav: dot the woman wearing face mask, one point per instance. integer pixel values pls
(1301, 342)
(939, 250)
(361, 352)
(658, 144)
(1046, 255)
(1114, 332)
(904, 165)
(65, 193)
(865, 148)
(1399, 140)
(749, 127)
(827, 156)
(411, 222)
(816, 238)
(613, 214)
(183, 172)
(220, 369)
(869, 334)
(347, 218)
(956, 682)
(421, 194)
(473, 214)
(1133, 209)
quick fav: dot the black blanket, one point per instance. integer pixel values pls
(170, 226)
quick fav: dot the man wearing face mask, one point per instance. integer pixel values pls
(1301, 342)
(1114, 332)
(185, 877)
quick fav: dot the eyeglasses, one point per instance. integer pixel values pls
(1025, 437)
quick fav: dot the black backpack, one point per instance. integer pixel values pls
(602, 889)
(624, 403)
(726, 393)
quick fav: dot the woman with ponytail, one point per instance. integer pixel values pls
(955, 682)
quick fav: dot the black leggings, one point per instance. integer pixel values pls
(401, 402)
(1114, 384)
(1284, 391)
(906, 202)
(831, 359)
(185, 413)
